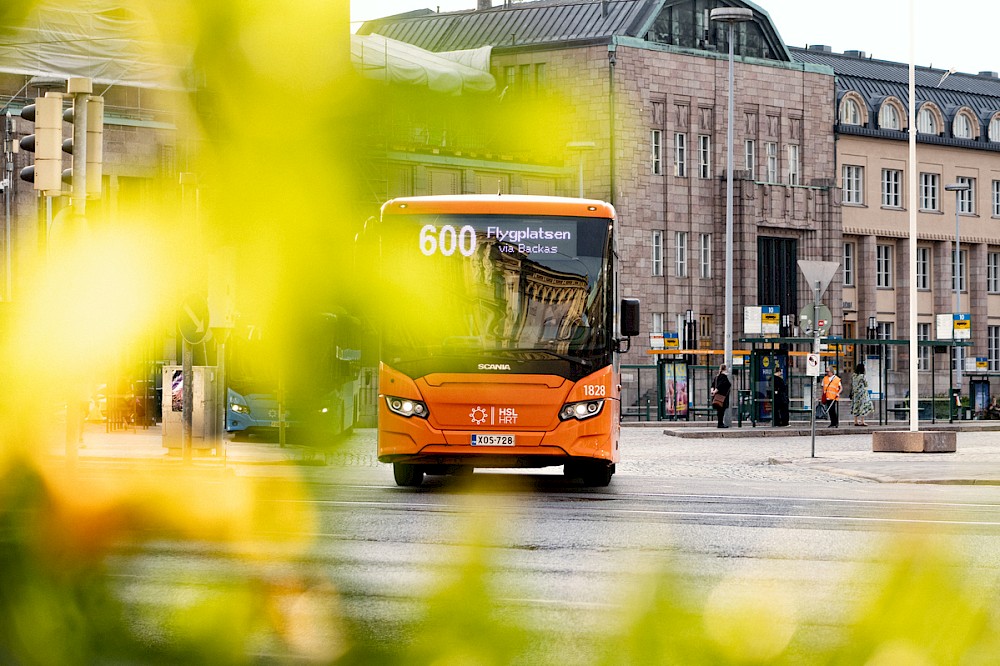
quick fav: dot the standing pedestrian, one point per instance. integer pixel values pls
(780, 398)
(721, 386)
(831, 394)
(861, 402)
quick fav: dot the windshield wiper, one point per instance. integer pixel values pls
(536, 350)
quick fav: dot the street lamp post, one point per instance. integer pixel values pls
(958, 188)
(732, 16)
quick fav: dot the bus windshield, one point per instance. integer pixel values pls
(467, 289)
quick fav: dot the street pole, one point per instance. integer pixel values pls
(958, 188)
(730, 15)
(818, 290)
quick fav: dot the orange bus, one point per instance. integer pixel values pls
(502, 330)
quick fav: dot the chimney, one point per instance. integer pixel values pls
(855, 53)
(484, 4)
(822, 48)
(989, 74)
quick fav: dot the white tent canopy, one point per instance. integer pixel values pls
(449, 72)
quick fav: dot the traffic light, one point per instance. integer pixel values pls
(92, 134)
(45, 143)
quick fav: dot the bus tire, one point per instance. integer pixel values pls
(597, 474)
(407, 475)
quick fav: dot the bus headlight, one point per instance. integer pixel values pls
(406, 407)
(239, 409)
(580, 410)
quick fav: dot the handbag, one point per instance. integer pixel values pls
(718, 400)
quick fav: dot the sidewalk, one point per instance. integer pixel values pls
(845, 450)
(146, 444)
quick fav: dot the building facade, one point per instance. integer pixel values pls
(958, 144)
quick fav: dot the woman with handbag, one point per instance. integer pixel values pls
(721, 386)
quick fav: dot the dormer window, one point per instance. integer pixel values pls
(995, 127)
(890, 116)
(928, 120)
(964, 126)
(850, 112)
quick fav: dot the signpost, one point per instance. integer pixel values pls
(818, 274)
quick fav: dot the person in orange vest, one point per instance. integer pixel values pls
(830, 395)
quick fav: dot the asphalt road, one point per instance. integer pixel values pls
(708, 519)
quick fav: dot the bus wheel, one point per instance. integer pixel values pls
(407, 474)
(597, 475)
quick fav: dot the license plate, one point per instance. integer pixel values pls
(492, 440)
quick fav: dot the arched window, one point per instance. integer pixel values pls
(995, 127)
(927, 121)
(963, 126)
(890, 116)
(850, 112)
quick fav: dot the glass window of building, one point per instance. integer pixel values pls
(996, 198)
(963, 260)
(750, 158)
(993, 272)
(929, 191)
(927, 121)
(892, 188)
(848, 264)
(884, 332)
(924, 268)
(656, 325)
(889, 116)
(704, 156)
(853, 191)
(883, 266)
(705, 255)
(656, 146)
(793, 164)
(995, 127)
(993, 347)
(771, 149)
(923, 352)
(850, 112)
(681, 256)
(657, 259)
(961, 128)
(967, 198)
(680, 155)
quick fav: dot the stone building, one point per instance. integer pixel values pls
(632, 94)
(958, 143)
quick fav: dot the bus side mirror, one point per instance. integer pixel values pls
(629, 313)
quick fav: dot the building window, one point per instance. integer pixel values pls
(892, 186)
(793, 165)
(704, 156)
(705, 255)
(705, 327)
(771, 149)
(993, 272)
(927, 121)
(993, 347)
(681, 257)
(995, 128)
(657, 253)
(680, 155)
(541, 76)
(889, 116)
(853, 184)
(850, 112)
(996, 198)
(963, 261)
(750, 158)
(924, 268)
(929, 191)
(656, 144)
(848, 264)
(656, 325)
(883, 266)
(923, 351)
(961, 128)
(884, 332)
(967, 198)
